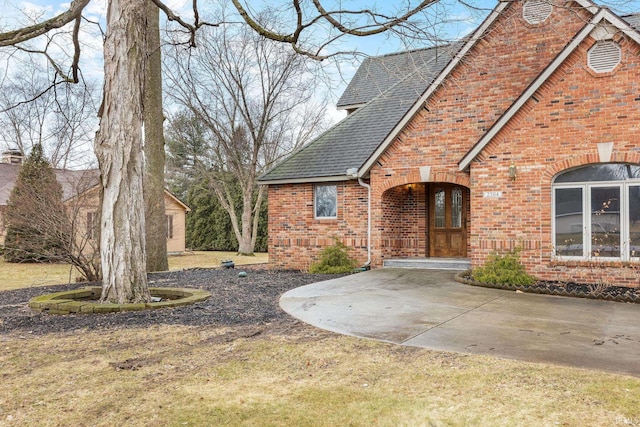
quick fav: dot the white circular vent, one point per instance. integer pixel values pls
(536, 11)
(604, 56)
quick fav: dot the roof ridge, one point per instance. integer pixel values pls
(420, 49)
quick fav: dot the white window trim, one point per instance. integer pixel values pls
(625, 253)
(315, 210)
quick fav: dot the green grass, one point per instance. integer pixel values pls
(14, 276)
(177, 375)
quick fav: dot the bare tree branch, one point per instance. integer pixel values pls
(12, 38)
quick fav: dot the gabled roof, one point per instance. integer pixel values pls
(75, 183)
(361, 138)
(602, 15)
(72, 182)
(178, 201)
(8, 177)
(378, 73)
(350, 142)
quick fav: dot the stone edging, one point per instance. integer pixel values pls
(462, 278)
(69, 302)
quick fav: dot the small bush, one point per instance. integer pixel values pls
(333, 260)
(504, 270)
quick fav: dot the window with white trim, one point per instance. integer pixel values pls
(596, 212)
(93, 230)
(326, 201)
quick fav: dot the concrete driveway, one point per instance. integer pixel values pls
(428, 308)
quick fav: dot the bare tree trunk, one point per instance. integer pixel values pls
(119, 151)
(256, 215)
(245, 246)
(156, 227)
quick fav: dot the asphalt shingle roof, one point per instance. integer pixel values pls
(633, 20)
(377, 74)
(351, 142)
(72, 182)
(389, 86)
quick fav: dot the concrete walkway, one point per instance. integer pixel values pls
(427, 308)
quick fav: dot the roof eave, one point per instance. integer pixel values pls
(307, 180)
(364, 169)
(350, 106)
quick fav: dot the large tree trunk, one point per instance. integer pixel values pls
(119, 151)
(156, 224)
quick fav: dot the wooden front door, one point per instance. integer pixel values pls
(447, 221)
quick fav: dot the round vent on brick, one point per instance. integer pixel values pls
(604, 56)
(536, 11)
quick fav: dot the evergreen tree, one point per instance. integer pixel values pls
(38, 229)
(189, 176)
(209, 226)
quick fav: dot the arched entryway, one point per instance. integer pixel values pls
(425, 220)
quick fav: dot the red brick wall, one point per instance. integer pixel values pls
(404, 221)
(574, 111)
(488, 80)
(296, 237)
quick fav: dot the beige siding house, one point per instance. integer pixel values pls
(81, 197)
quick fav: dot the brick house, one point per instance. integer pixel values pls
(80, 190)
(524, 135)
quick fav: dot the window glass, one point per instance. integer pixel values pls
(169, 219)
(456, 208)
(634, 221)
(326, 201)
(610, 215)
(605, 221)
(606, 172)
(439, 208)
(569, 222)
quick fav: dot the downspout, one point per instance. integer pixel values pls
(352, 173)
(368, 187)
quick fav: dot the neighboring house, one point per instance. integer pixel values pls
(81, 196)
(524, 135)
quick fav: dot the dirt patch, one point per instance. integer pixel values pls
(235, 301)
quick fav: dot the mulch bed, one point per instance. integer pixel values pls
(235, 301)
(567, 289)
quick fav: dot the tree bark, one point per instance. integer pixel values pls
(245, 244)
(119, 150)
(155, 220)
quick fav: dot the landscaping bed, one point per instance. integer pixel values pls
(241, 301)
(235, 301)
(568, 289)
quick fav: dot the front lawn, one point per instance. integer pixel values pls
(238, 360)
(300, 376)
(15, 276)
